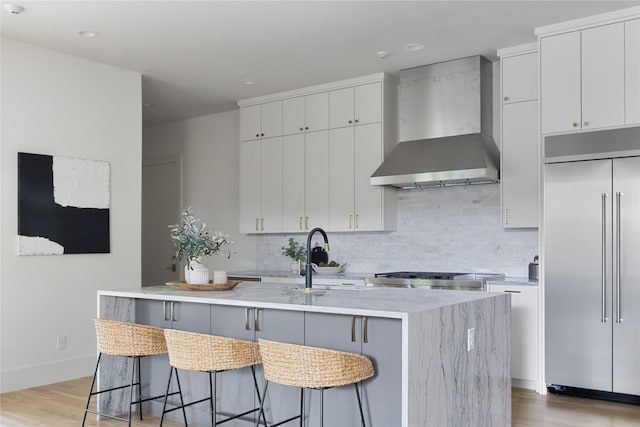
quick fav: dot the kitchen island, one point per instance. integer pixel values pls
(429, 372)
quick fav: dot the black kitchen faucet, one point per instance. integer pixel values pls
(307, 266)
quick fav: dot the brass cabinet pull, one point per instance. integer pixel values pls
(357, 120)
(365, 333)
(246, 319)
(506, 98)
(506, 216)
(350, 121)
(587, 123)
(300, 223)
(300, 128)
(262, 134)
(261, 224)
(257, 224)
(350, 218)
(306, 222)
(256, 322)
(357, 220)
(306, 128)
(257, 135)
(575, 124)
(173, 311)
(164, 311)
(353, 328)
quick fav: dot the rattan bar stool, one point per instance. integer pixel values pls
(312, 368)
(131, 340)
(213, 354)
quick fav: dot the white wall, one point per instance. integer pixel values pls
(210, 151)
(61, 105)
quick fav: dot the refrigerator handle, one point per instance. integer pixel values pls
(603, 317)
(618, 258)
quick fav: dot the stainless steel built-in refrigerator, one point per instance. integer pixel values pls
(592, 261)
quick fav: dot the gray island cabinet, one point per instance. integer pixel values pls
(417, 339)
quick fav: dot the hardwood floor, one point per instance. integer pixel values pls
(62, 404)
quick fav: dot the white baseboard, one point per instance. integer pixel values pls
(48, 373)
(528, 384)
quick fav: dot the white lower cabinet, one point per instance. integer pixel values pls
(524, 333)
(380, 339)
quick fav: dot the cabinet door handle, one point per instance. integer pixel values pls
(350, 121)
(587, 123)
(365, 333)
(506, 216)
(300, 223)
(257, 135)
(164, 311)
(357, 120)
(353, 328)
(603, 317)
(246, 320)
(257, 224)
(301, 129)
(574, 124)
(173, 311)
(262, 134)
(306, 222)
(619, 318)
(256, 321)
(306, 128)
(506, 98)
(350, 218)
(357, 220)
(261, 224)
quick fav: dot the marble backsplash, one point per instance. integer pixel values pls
(439, 229)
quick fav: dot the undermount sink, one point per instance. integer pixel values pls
(331, 288)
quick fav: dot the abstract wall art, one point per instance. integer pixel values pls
(63, 205)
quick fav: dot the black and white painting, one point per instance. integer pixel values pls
(63, 205)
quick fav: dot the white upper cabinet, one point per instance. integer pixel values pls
(305, 113)
(632, 71)
(560, 82)
(293, 183)
(355, 105)
(519, 78)
(603, 76)
(317, 180)
(590, 77)
(261, 121)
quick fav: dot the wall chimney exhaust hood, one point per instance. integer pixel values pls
(445, 120)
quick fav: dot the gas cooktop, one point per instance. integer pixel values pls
(432, 280)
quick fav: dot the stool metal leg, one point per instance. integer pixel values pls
(322, 407)
(133, 381)
(360, 405)
(261, 413)
(301, 406)
(255, 384)
(93, 382)
(139, 389)
(212, 395)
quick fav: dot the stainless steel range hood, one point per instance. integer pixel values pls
(445, 118)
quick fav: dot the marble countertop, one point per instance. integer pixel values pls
(381, 302)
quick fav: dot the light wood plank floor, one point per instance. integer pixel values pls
(62, 404)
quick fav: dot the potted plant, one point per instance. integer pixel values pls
(193, 241)
(296, 252)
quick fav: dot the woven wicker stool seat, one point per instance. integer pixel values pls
(213, 354)
(314, 368)
(131, 340)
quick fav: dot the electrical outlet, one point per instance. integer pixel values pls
(61, 343)
(471, 339)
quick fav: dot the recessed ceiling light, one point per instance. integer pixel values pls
(413, 47)
(13, 9)
(248, 81)
(382, 54)
(87, 34)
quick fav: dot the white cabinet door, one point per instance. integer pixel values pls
(293, 115)
(341, 178)
(317, 180)
(293, 179)
(341, 104)
(368, 198)
(603, 76)
(250, 175)
(520, 78)
(632, 71)
(524, 333)
(250, 127)
(317, 112)
(560, 82)
(271, 119)
(368, 103)
(271, 185)
(520, 164)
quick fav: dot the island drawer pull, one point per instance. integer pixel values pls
(164, 311)
(173, 311)
(353, 328)
(246, 319)
(256, 322)
(365, 333)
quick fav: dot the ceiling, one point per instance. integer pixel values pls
(194, 55)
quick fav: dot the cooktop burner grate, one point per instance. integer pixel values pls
(428, 275)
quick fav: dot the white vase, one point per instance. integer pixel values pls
(198, 274)
(294, 267)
